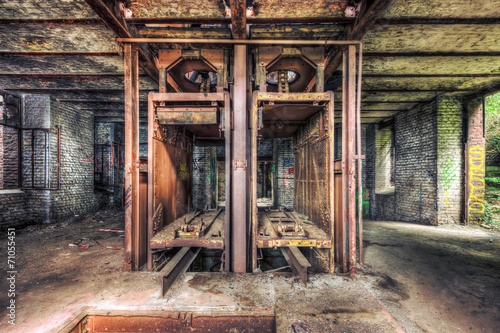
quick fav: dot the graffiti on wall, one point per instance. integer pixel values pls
(183, 172)
(448, 176)
(476, 183)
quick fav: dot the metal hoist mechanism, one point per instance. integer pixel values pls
(281, 109)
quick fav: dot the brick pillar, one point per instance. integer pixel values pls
(449, 159)
(2, 108)
(475, 161)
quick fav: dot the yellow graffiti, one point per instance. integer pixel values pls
(476, 183)
(183, 172)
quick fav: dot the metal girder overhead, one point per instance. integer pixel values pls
(118, 25)
(239, 18)
(356, 32)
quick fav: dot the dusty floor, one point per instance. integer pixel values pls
(416, 279)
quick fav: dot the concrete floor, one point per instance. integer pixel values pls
(416, 279)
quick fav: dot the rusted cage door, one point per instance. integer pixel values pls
(320, 234)
(170, 169)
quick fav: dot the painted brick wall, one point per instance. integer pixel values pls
(476, 161)
(449, 159)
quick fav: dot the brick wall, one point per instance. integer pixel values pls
(284, 176)
(415, 164)
(76, 196)
(449, 159)
(204, 180)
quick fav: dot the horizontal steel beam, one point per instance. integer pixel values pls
(177, 266)
(237, 41)
(250, 20)
(296, 259)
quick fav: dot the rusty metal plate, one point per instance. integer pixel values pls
(184, 118)
(286, 112)
(180, 322)
(298, 65)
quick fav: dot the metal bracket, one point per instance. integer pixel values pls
(186, 319)
(240, 163)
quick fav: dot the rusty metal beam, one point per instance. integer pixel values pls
(120, 28)
(237, 41)
(239, 191)
(356, 32)
(250, 20)
(131, 156)
(351, 151)
(177, 266)
(296, 259)
(239, 18)
(331, 178)
(228, 159)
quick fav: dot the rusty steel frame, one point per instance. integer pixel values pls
(239, 188)
(97, 321)
(238, 41)
(262, 96)
(351, 139)
(359, 155)
(177, 266)
(296, 260)
(153, 100)
(132, 162)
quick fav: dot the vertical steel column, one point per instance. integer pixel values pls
(253, 198)
(131, 155)
(360, 159)
(351, 152)
(331, 177)
(227, 228)
(162, 80)
(239, 192)
(344, 153)
(151, 176)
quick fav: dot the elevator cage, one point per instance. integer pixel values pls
(271, 91)
(310, 224)
(175, 121)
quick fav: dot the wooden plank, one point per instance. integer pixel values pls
(57, 9)
(57, 38)
(443, 9)
(418, 38)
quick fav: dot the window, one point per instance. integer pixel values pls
(385, 160)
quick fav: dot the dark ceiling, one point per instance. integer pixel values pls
(414, 50)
